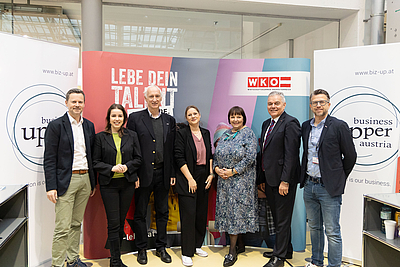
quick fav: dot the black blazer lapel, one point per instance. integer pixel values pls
(110, 140)
(326, 127)
(192, 146)
(206, 141)
(124, 139)
(263, 131)
(147, 122)
(280, 122)
(86, 133)
(68, 130)
(166, 123)
(307, 134)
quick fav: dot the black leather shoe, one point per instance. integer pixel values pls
(240, 249)
(142, 256)
(275, 262)
(229, 260)
(269, 254)
(117, 263)
(163, 254)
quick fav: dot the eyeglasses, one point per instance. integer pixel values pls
(321, 103)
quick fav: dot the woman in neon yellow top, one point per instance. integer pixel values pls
(116, 157)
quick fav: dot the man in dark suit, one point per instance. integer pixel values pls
(281, 165)
(69, 176)
(328, 158)
(156, 133)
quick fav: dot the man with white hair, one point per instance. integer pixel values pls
(281, 167)
(156, 132)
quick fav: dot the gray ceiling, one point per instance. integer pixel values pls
(214, 27)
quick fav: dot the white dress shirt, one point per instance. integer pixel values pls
(80, 161)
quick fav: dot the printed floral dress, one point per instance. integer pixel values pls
(236, 205)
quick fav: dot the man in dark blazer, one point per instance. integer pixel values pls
(281, 166)
(156, 133)
(69, 175)
(328, 158)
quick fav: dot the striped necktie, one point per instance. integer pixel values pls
(269, 132)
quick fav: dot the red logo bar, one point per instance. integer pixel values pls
(285, 82)
(253, 82)
(269, 82)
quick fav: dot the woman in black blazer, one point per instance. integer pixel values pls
(194, 160)
(116, 157)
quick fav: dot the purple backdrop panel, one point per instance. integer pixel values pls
(222, 101)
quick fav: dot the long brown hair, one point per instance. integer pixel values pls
(108, 125)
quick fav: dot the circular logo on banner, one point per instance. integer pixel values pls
(26, 120)
(374, 123)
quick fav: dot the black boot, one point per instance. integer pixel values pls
(115, 260)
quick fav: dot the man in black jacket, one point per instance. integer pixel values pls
(281, 167)
(69, 176)
(328, 158)
(156, 133)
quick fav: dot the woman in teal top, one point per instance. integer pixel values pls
(116, 157)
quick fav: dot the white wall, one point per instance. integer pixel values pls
(348, 4)
(281, 51)
(350, 31)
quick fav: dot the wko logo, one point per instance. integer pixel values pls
(269, 82)
(26, 121)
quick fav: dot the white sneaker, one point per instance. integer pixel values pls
(201, 252)
(310, 265)
(187, 261)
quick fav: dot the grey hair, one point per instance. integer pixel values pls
(151, 86)
(278, 93)
(320, 92)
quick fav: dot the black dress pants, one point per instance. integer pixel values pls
(142, 197)
(117, 197)
(193, 212)
(282, 210)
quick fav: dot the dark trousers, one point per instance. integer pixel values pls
(282, 210)
(142, 196)
(117, 197)
(193, 213)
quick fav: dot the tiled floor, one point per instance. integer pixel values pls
(251, 258)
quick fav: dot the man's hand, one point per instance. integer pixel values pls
(52, 196)
(137, 183)
(283, 188)
(173, 180)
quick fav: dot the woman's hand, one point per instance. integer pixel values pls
(220, 172)
(209, 180)
(192, 185)
(225, 173)
(119, 168)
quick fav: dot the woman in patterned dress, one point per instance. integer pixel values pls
(235, 164)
